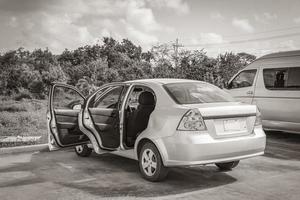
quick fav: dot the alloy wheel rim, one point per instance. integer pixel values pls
(149, 162)
(79, 148)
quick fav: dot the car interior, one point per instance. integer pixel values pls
(104, 111)
(140, 105)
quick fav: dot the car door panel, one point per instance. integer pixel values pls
(62, 118)
(66, 119)
(106, 122)
(108, 112)
(103, 127)
(103, 118)
(67, 112)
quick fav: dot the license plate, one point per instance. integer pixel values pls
(234, 125)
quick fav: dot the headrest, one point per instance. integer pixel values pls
(146, 98)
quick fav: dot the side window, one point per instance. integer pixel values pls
(110, 99)
(293, 81)
(95, 100)
(66, 98)
(243, 79)
(133, 100)
(282, 78)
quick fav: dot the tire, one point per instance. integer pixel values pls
(150, 163)
(83, 150)
(228, 165)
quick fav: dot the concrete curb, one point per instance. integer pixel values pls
(21, 149)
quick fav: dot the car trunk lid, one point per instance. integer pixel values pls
(228, 119)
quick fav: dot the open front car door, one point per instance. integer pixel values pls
(64, 105)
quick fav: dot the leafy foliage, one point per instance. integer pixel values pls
(29, 74)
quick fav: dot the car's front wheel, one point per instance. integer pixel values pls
(227, 165)
(150, 163)
(83, 150)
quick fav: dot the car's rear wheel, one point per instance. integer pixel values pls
(150, 163)
(83, 150)
(227, 165)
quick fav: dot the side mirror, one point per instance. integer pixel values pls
(228, 85)
(77, 107)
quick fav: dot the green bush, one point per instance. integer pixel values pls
(12, 108)
(23, 118)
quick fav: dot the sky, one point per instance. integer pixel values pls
(253, 26)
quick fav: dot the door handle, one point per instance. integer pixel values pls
(250, 93)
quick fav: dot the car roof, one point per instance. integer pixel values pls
(162, 81)
(281, 54)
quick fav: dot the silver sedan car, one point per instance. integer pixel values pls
(159, 122)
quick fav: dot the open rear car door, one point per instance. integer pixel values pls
(101, 117)
(65, 103)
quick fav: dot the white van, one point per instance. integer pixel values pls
(272, 82)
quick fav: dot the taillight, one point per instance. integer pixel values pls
(258, 118)
(192, 121)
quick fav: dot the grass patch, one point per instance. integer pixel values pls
(15, 144)
(23, 118)
(12, 108)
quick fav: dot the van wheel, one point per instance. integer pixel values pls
(150, 163)
(227, 165)
(83, 150)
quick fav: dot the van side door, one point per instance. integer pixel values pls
(278, 97)
(242, 86)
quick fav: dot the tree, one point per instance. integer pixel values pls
(229, 64)
(91, 66)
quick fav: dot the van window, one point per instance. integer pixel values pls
(243, 79)
(282, 78)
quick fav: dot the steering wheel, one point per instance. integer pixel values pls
(73, 103)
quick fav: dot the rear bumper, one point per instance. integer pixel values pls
(190, 148)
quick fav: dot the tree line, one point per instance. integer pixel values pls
(29, 73)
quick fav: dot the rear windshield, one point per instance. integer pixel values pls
(196, 92)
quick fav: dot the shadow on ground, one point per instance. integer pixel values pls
(283, 145)
(122, 178)
(112, 176)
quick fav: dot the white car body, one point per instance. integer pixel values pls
(214, 144)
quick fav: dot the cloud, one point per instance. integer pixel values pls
(206, 39)
(23, 6)
(180, 6)
(243, 24)
(287, 45)
(59, 24)
(140, 24)
(142, 18)
(265, 17)
(297, 20)
(13, 22)
(217, 16)
(211, 38)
